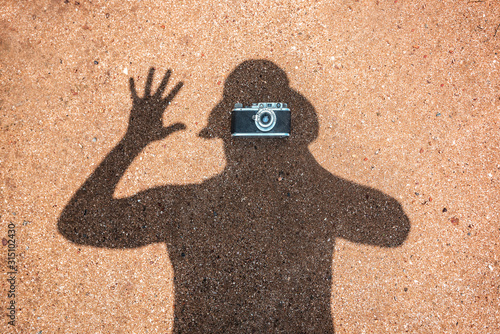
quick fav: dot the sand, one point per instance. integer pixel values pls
(401, 134)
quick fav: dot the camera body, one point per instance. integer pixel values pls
(263, 119)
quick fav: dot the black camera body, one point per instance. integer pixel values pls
(263, 119)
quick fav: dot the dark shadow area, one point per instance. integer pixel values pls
(251, 247)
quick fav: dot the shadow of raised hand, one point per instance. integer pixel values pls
(146, 116)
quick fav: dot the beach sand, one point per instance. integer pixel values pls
(407, 98)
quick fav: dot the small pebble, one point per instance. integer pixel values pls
(455, 221)
(438, 114)
(96, 62)
(4, 242)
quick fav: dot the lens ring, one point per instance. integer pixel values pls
(261, 122)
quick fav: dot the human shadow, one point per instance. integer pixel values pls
(252, 247)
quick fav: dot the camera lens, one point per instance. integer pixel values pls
(265, 120)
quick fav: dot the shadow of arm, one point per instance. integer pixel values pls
(370, 217)
(93, 217)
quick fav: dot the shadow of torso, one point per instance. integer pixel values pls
(252, 251)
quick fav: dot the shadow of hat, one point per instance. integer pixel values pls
(261, 81)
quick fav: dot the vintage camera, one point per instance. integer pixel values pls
(263, 119)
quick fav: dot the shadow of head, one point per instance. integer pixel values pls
(262, 81)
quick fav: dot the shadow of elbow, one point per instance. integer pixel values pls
(71, 227)
(399, 231)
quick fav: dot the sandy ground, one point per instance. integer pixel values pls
(406, 96)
